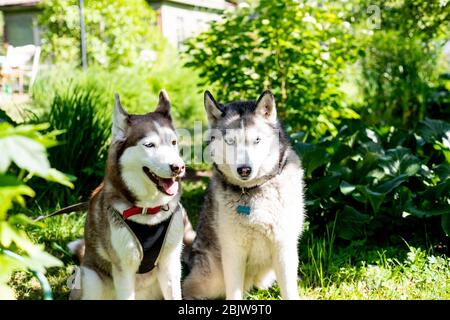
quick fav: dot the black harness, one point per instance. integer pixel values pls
(151, 239)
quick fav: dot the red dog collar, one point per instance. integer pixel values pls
(137, 210)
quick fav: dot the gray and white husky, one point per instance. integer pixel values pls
(134, 226)
(253, 212)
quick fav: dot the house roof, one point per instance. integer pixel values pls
(211, 4)
(27, 3)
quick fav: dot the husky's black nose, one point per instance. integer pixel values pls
(244, 171)
(177, 168)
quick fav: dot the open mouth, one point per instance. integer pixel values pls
(168, 186)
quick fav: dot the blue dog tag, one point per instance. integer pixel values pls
(245, 210)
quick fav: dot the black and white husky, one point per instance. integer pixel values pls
(134, 227)
(253, 213)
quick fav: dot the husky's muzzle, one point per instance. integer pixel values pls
(168, 186)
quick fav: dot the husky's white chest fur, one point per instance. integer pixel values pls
(275, 222)
(275, 208)
(253, 212)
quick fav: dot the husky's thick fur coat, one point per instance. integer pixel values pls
(143, 170)
(253, 212)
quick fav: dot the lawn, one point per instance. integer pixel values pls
(327, 270)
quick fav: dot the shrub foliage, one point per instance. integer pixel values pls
(296, 48)
(375, 182)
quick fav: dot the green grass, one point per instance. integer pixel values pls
(327, 270)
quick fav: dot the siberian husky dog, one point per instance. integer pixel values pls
(253, 211)
(134, 226)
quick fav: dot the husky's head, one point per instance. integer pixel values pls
(144, 161)
(244, 138)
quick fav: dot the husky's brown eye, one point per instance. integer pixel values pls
(174, 142)
(149, 145)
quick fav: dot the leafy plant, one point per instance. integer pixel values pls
(118, 31)
(296, 48)
(400, 58)
(426, 20)
(83, 118)
(138, 87)
(368, 179)
(398, 80)
(23, 156)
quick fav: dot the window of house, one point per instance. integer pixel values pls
(21, 29)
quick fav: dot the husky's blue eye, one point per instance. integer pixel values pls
(258, 139)
(149, 145)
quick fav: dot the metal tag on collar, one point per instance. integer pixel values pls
(165, 208)
(144, 211)
(243, 209)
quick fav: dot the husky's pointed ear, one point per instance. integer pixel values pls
(265, 106)
(164, 104)
(120, 120)
(213, 110)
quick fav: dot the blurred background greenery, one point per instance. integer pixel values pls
(361, 86)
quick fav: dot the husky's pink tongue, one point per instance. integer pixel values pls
(170, 186)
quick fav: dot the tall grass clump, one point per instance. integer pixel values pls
(83, 116)
(138, 87)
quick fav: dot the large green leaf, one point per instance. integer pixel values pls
(24, 146)
(324, 187)
(346, 188)
(425, 213)
(443, 171)
(374, 198)
(366, 163)
(312, 156)
(400, 161)
(431, 130)
(341, 152)
(350, 223)
(389, 185)
(437, 192)
(34, 258)
(25, 153)
(12, 189)
(7, 266)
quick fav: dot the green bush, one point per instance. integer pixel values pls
(23, 156)
(401, 58)
(138, 87)
(296, 48)
(378, 182)
(117, 31)
(83, 118)
(397, 80)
